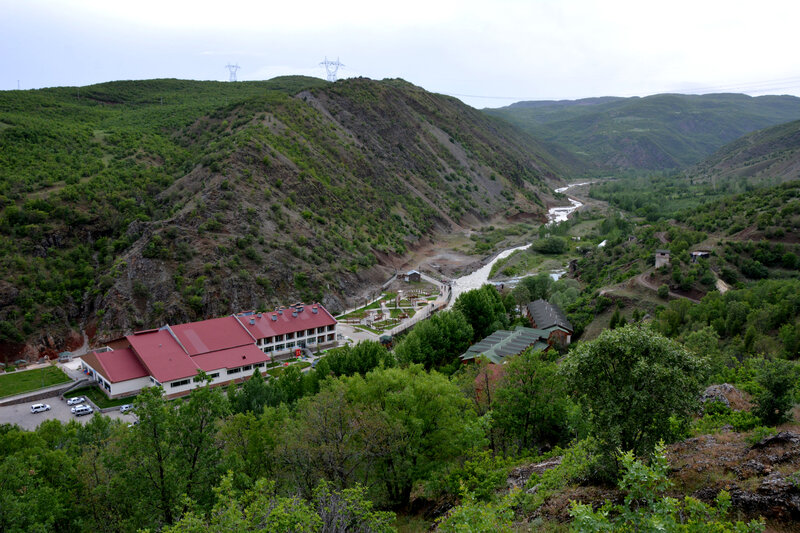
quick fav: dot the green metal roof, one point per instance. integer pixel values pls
(503, 343)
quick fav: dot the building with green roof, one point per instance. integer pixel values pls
(503, 343)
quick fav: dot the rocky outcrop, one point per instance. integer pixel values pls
(519, 476)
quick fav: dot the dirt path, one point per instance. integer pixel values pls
(642, 280)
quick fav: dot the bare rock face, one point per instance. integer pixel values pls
(8, 293)
(726, 394)
(519, 476)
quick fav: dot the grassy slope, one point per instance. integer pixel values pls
(665, 131)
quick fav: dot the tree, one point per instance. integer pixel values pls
(633, 382)
(538, 286)
(484, 310)
(437, 341)
(332, 438)
(774, 403)
(530, 407)
(663, 291)
(358, 359)
(429, 420)
(253, 396)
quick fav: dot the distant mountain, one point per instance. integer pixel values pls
(660, 132)
(129, 204)
(769, 155)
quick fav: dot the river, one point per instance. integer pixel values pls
(481, 276)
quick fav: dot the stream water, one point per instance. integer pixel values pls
(481, 276)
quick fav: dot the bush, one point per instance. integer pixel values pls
(774, 402)
(647, 508)
(663, 291)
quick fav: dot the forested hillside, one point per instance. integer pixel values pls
(659, 132)
(128, 204)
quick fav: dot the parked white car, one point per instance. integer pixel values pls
(83, 409)
(76, 401)
(125, 408)
(39, 407)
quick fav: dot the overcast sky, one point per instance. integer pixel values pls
(489, 53)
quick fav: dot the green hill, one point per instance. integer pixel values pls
(659, 132)
(128, 204)
(771, 154)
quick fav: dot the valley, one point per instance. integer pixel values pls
(659, 237)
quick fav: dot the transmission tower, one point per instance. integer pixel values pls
(232, 69)
(331, 67)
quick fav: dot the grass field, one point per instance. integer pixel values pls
(99, 398)
(28, 380)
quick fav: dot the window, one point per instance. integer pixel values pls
(268, 340)
(312, 340)
(259, 365)
(180, 383)
(268, 349)
(245, 368)
(321, 338)
(300, 334)
(330, 337)
(278, 338)
(234, 370)
(215, 375)
(290, 345)
(310, 331)
(290, 335)
(279, 347)
(330, 328)
(321, 329)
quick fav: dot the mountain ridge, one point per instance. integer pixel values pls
(658, 132)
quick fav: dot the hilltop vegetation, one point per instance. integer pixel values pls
(128, 204)
(659, 132)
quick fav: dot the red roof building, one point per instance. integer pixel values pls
(227, 349)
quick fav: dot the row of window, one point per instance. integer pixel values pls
(298, 334)
(215, 375)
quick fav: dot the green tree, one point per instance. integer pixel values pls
(437, 341)
(333, 438)
(530, 405)
(484, 310)
(774, 402)
(430, 423)
(634, 382)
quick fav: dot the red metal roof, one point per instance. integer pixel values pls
(230, 358)
(212, 335)
(117, 365)
(264, 326)
(162, 355)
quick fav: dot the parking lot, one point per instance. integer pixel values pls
(21, 414)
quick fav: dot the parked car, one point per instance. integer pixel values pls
(75, 401)
(125, 408)
(39, 407)
(83, 409)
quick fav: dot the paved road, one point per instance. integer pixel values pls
(59, 410)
